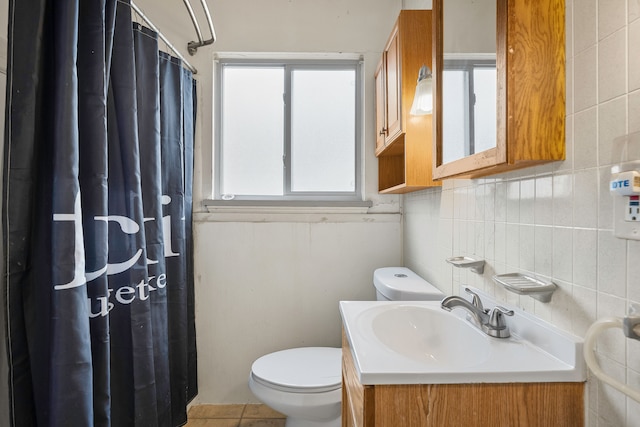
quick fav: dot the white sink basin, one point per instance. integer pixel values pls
(417, 342)
(425, 335)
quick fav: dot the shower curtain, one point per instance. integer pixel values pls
(97, 239)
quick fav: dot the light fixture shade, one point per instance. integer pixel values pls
(423, 99)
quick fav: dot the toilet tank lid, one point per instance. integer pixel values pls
(402, 284)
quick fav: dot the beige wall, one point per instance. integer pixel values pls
(556, 221)
(267, 286)
(269, 281)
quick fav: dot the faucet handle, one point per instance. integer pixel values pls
(475, 300)
(496, 319)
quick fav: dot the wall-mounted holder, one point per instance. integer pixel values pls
(631, 323)
(525, 285)
(475, 264)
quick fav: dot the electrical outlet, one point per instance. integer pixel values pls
(625, 187)
(633, 210)
(624, 226)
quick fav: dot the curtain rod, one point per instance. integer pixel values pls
(164, 39)
(193, 46)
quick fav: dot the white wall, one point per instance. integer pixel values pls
(273, 281)
(556, 220)
(266, 286)
(335, 26)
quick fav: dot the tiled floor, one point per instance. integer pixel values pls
(248, 415)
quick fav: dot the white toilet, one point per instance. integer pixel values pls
(402, 284)
(305, 383)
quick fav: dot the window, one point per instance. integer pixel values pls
(288, 130)
(469, 108)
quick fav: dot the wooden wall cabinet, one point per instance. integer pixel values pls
(438, 405)
(530, 62)
(403, 142)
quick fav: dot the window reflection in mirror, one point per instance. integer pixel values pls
(469, 107)
(469, 77)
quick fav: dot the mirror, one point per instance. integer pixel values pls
(470, 38)
(468, 79)
(493, 57)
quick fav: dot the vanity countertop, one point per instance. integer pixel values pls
(417, 342)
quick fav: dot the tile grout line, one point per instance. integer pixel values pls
(244, 409)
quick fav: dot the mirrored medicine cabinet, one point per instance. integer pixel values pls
(499, 84)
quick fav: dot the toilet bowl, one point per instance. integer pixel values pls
(305, 383)
(302, 383)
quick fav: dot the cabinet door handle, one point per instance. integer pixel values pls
(383, 131)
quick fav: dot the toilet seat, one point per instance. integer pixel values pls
(300, 370)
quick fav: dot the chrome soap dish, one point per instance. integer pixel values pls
(476, 265)
(522, 284)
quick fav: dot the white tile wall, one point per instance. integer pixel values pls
(556, 222)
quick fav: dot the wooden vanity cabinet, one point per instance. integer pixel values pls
(443, 405)
(403, 142)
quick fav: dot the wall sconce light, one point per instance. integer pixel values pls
(423, 99)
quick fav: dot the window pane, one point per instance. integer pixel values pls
(484, 83)
(252, 130)
(323, 130)
(455, 115)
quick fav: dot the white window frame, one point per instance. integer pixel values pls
(355, 197)
(467, 64)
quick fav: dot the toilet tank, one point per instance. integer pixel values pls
(402, 284)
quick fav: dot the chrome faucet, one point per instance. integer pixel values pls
(490, 322)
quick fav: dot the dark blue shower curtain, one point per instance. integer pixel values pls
(97, 219)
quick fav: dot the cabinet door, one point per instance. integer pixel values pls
(392, 70)
(530, 88)
(381, 106)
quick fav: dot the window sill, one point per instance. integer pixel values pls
(291, 211)
(287, 206)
